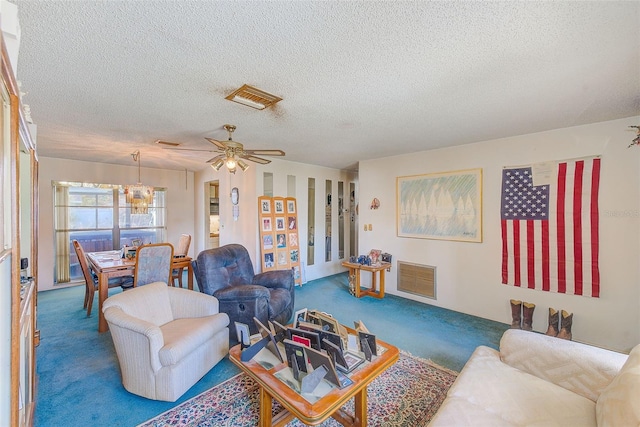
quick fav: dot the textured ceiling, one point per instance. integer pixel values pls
(359, 80)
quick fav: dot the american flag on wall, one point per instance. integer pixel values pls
(549, 216)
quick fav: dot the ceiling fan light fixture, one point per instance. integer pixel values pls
(244, 166)
(231, 163)
(253, 97)
(217, 164)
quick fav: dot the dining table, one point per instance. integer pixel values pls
(110, 264)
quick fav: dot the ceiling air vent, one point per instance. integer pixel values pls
(167, 143)
(253, 97)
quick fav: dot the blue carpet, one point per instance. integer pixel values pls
(79, 384)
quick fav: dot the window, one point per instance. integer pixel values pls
(97, 216)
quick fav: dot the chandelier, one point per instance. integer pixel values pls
(137, 195)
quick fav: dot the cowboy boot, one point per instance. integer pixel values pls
(566, 321)
(527, 315)
(516, 314)
(554, 319)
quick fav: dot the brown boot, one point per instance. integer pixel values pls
(527, 315)
(516, 314)
(566, 321)
(554, 319)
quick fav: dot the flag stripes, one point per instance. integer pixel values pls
(550, 231)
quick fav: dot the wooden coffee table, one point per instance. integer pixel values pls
(327, 406)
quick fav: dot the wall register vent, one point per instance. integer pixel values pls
(417, 279)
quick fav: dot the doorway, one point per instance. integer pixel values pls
(212, 222)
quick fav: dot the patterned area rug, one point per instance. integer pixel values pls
(407, 394)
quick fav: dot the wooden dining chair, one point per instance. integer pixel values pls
(153, 264)
(91, 280)
(181, 251)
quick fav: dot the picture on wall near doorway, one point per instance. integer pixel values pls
(442, 206)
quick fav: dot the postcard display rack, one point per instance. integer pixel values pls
(279, 237)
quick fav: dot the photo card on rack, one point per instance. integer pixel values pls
(292, 223)
(268, 260)
(299, 316)
(272, 345)
(279, 206)
(313, 337)
(295, 354)
(282, 258)
(291, 206)
(265, 206)
(267, 241)
(317, 359)
(266, 224)
(280, 224)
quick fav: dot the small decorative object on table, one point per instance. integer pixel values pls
(375, 256)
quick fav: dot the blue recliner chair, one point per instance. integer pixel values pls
(227, 274)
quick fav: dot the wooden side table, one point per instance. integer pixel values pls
(354, 270)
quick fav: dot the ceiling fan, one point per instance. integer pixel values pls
(232, 153)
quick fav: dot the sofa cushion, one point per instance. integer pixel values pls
(183, 336)
(580, 368)
(618, 404)
(149, 303)
(490, 392)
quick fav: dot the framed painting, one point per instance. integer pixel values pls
(441, 206)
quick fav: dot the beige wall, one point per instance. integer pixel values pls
(250, 184)
(180, 200)
(469, 274)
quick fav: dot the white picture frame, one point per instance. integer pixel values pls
(243, 334)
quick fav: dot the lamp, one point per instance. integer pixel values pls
(137, 195)
(244, 166)
(217, 164)
(231, 163)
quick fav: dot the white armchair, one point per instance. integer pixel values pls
(166, 338)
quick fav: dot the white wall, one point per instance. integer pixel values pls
(180, 200)
(469, 274)
(250, 184)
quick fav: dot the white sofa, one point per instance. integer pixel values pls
(537, 380)
(166, 338)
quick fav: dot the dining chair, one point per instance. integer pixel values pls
(91, 280)
(181, 251)
(153, 264)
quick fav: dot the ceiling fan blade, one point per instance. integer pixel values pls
(255, 159)
(221, 145)
(188, 149)
(265, 152)
(219, 156)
